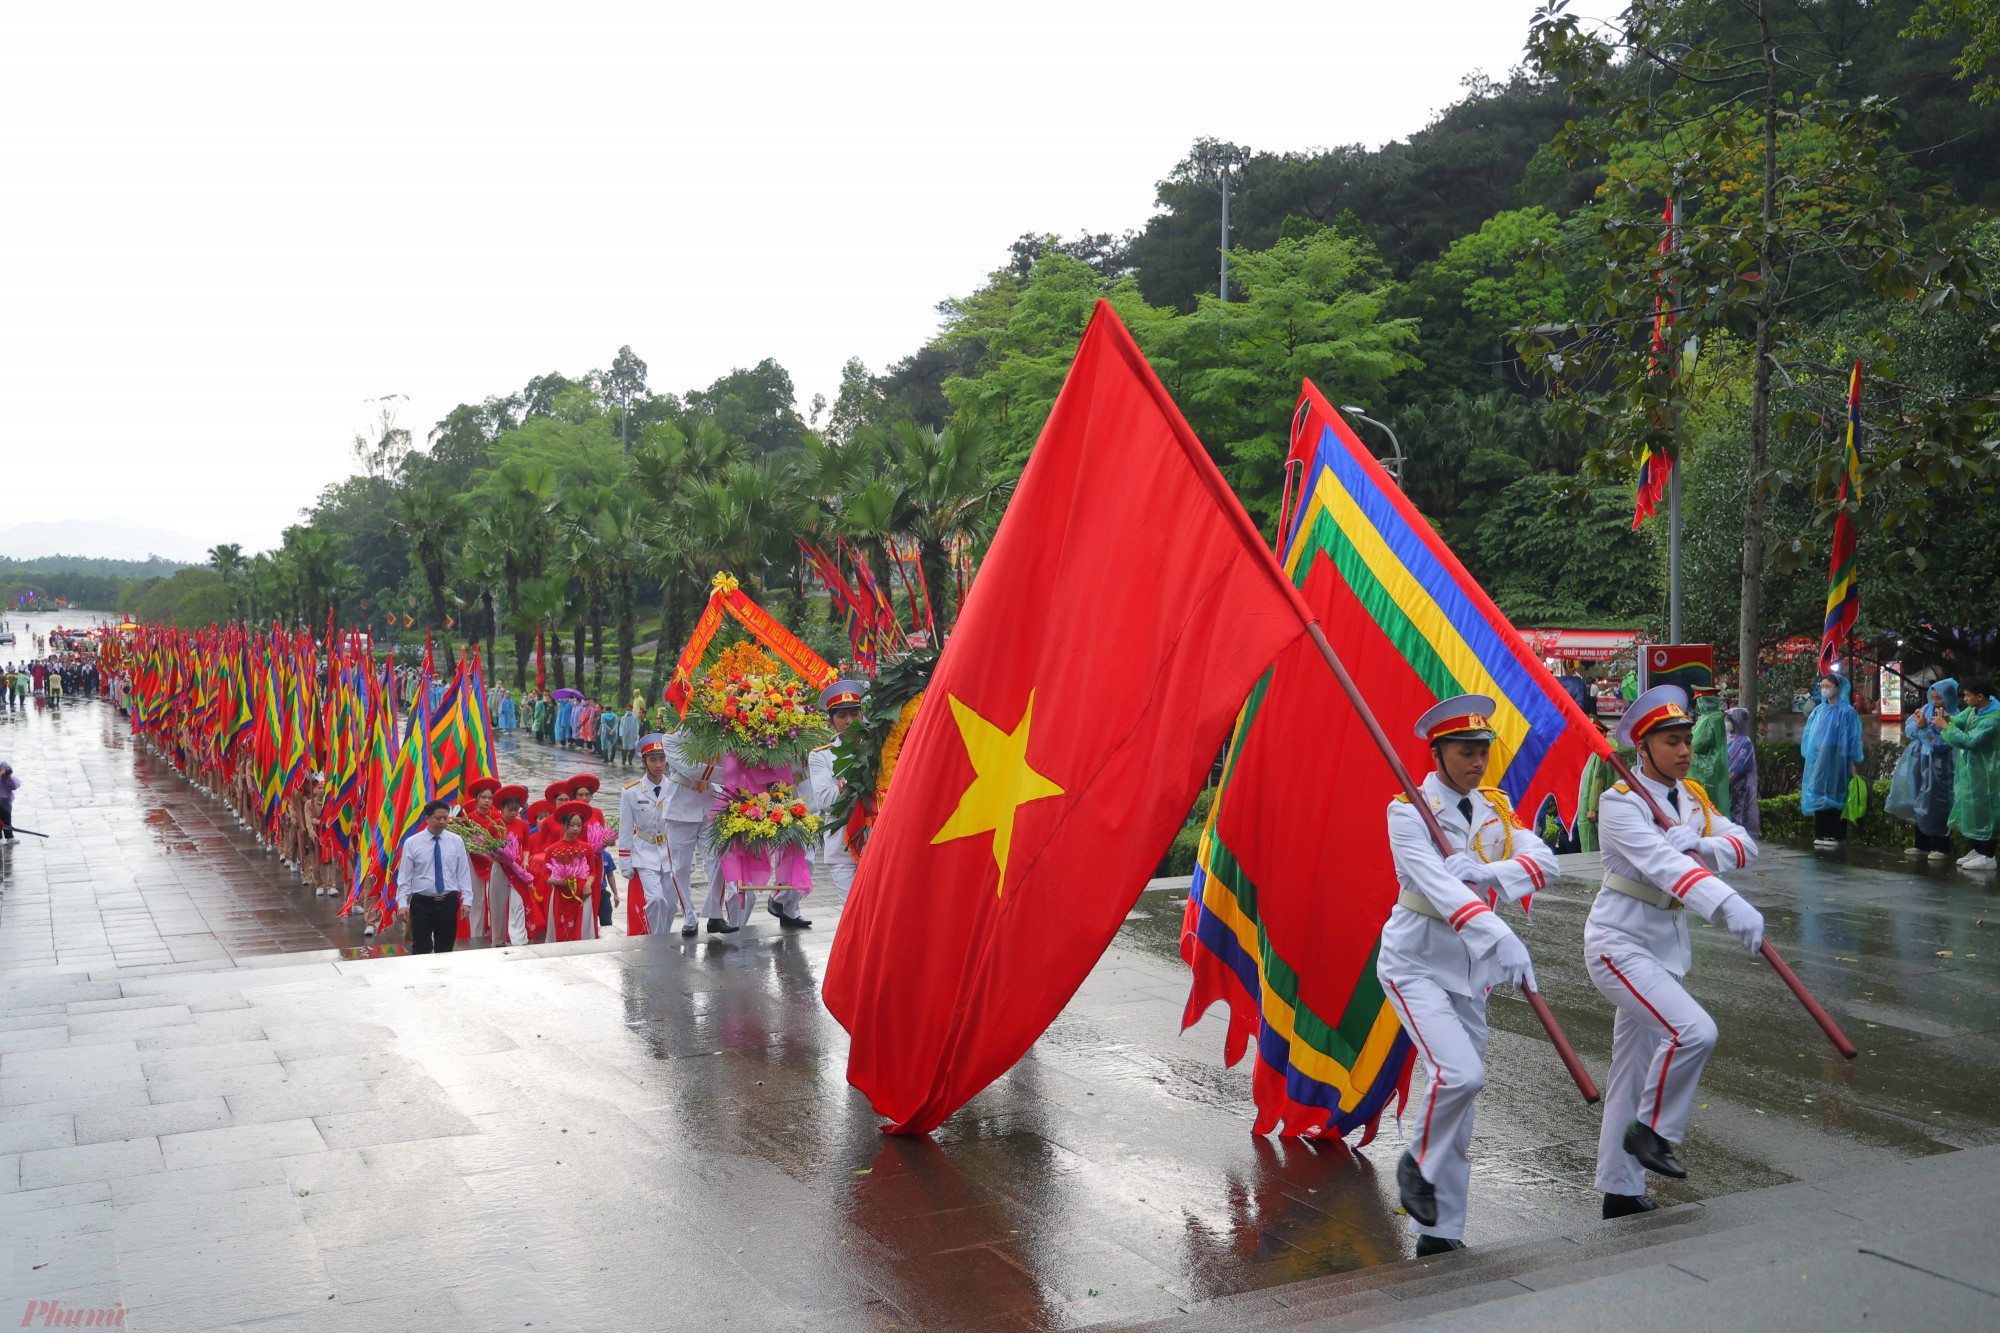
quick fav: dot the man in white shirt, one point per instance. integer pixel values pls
(1635, 945)
(659, 827)
(433, 882)
(1444, 948)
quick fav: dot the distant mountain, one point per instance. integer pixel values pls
(111, 539)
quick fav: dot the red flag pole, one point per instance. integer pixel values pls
(1785, 974)
(1570, 1061)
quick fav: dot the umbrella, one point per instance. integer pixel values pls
(569, 694)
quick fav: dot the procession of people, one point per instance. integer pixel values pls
(498, 866)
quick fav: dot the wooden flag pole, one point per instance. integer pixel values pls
(1785, 974)
(1570, 1061)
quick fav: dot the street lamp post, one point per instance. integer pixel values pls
(1393, 464)
(1229, 162)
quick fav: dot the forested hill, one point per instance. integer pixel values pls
(1488, 152)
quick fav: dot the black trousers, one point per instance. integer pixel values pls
(433, 922)
(1830, 824)
(1933, 843)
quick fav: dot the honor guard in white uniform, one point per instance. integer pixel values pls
(842, 702)
(1444, 948)
(1635, 945)
(659, 830)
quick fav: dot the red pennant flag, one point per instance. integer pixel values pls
(1125, 609)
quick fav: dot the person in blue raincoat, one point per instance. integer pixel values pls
(1832, 750)
(1930, 769)
(504, 719)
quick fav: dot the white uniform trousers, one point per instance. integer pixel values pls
(670, 890)
(1450, 1032)
(476, 909)
(669, 894)
(1659, 1045)
(499, 904)
(517, 915)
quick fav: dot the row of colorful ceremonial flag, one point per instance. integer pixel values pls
(280, 708)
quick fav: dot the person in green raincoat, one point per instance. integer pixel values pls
(1974, 733)
(1711, 751)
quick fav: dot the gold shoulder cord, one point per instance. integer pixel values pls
(1708, 810)
(1498, 799)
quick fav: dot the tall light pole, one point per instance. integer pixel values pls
(1393, 464)
(1674, 474)
(1229, 161)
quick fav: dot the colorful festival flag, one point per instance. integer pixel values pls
(1653, 468)
(1294, 877)
(1843, 580)
(1125, 608)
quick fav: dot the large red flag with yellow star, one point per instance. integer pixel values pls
(1123, 612)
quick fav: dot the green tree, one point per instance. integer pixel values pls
(1718, 101)
(518, 498)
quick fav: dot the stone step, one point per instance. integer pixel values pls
(1724, 1236)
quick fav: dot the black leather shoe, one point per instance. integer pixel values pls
(1430, 1245)
(1625, 1205)
(795, 922)
(1654, 1153)
(687, 931)
(717, 926)
(1419, 1196)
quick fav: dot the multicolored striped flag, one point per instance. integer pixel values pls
(1843, 580)
(1653, 469)
(1294, 877)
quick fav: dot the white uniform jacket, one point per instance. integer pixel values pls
(691, 783)
(1456, 952)
(643, 811)
(1636, 848)
(822, 790)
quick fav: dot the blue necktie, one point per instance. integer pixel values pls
(437, 862)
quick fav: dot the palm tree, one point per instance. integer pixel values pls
(620, 521)
(948, 496)
(431, 519)
(483, 562)
(519, 514)
(665, 465)
(576, 528)
(538, 602)
(228, 561)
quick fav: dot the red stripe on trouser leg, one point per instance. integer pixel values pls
(1660, 1089)
(1437, 1079)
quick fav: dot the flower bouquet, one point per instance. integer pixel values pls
(751, 707)
(767, 821)
(762, 838)
(570, 878)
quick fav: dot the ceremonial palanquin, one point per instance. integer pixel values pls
(1294, 876)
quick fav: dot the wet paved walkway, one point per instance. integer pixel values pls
(659, 1133)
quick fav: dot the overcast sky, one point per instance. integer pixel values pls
(230, 227)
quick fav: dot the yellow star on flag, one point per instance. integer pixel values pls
(1004, 783)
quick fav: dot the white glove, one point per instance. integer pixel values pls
(1512, 957)
(1743, 921)
(1682, 838)
(1465, 868)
